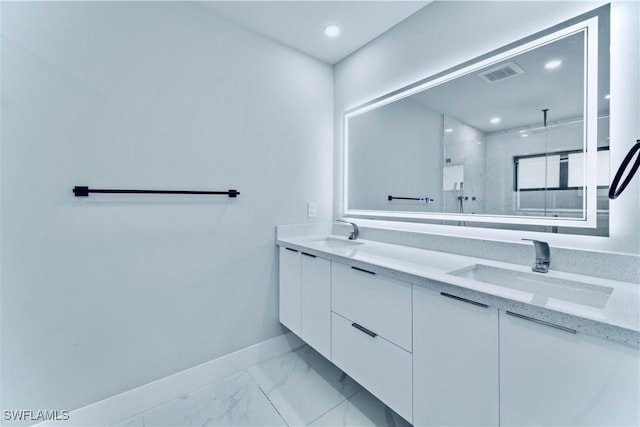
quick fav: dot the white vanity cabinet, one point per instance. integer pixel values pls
(371, 333)
(440, 358)
(455, 361)
(305, 297)
(315, 302)
(552, 377)
(290, 283)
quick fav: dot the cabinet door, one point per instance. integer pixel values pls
(455, 361)
(378, 365)
(316, 303)
(550, 377)
(289, 296)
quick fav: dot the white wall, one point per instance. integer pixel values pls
(105, 294)
(396, 150)
(444, 34)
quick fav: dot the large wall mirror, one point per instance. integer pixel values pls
(518, 138)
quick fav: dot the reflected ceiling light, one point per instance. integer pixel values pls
(448, 130)
(552, 65)
(331, 30)
(495, 120)
(524, 135)
(607, 96)
(522, 131)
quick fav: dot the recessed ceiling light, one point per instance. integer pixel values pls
(552, 65)
(524, 135)
(331, 30)
(495, 120)
(607, 96)
(448, 130)
(522, 131)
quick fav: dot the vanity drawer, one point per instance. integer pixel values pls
(378, 303)
(381, 367)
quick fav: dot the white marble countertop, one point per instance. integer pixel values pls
(618, 320)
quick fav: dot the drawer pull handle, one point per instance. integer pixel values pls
(363, 270)
(479, 304)
(292, 250)
(365, 330)
(310, 255)
(542, 322)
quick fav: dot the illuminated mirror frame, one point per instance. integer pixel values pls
(590, 28)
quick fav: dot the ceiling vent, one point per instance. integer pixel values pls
(501, 72)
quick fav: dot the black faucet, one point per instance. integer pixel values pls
(543, 256)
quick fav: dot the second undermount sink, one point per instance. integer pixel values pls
(334, 242)
(543, 287)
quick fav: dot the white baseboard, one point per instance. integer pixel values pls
(140, 399)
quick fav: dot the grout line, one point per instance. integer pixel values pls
(334, 407)
(344, 399)
(266, 396)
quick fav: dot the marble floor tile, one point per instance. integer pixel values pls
(303, 385)
(361, 409)
(233, 401)
(136, 421)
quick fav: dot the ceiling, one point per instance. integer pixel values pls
(519, 100)
(300, 24)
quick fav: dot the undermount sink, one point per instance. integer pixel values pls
(333, 242)
(543, 287)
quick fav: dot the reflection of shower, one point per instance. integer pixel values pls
(460, 197)
(460, 192)
(546, 162)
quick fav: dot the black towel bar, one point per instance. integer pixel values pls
(80, 191)
(419, 199)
